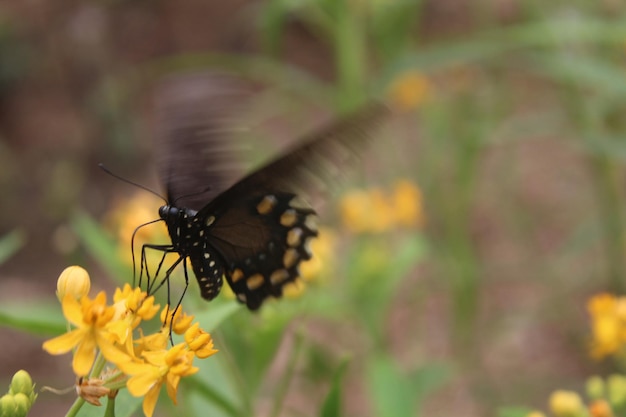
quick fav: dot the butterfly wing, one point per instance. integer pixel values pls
(261, 227)
(196, 156)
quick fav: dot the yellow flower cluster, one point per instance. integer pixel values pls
(101, 332)
(607, 398)
(608, 325)
(376, 210)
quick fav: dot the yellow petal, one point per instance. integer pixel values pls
(84, 356)
(72, 310)
(172, 386)
(63, 343)
(149, 401)
(140, 384)
(111, 352)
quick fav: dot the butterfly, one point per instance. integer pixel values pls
(256, 231)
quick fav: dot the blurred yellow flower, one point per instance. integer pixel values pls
(608, 324)
(409, 90)
(126, 215)
(323, 249)
(535, 414)
(407, 203)
(376, 210)
(566, 404)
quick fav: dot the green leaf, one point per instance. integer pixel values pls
(332, 403)
(215, 313)
(40, 318)
(10, 244)
(395, 393)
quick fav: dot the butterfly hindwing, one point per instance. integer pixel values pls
(262, 241)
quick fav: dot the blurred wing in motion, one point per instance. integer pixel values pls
(257, 231)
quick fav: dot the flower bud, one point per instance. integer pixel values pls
(73, 280)
(7, 406)
(22, 404)
(21, 383)
(595, 387)
(616, 388)
(566, 404)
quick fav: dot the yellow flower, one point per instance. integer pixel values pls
(199, 342)
(566, 404)
(409, 90)
(407, 204)
(323, 249)
(152, 342)
(73, 280)
(375, 210)
(366, 211)
(165, 366)
(180, 321)
(91, 318)
(535, 414)
(294, 289)
(132, 305)
(608, 324)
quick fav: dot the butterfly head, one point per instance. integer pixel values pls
(168, 212)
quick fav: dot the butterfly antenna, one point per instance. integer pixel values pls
(127, 181)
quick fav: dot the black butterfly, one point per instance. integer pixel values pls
(257, 231)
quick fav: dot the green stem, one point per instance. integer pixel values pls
(606, 179)
(350, 54)
(98, 366)
(110, 410)
(73, 411)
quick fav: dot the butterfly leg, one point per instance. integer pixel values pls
(165, 249)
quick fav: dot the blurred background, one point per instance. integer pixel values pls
(456, 264)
